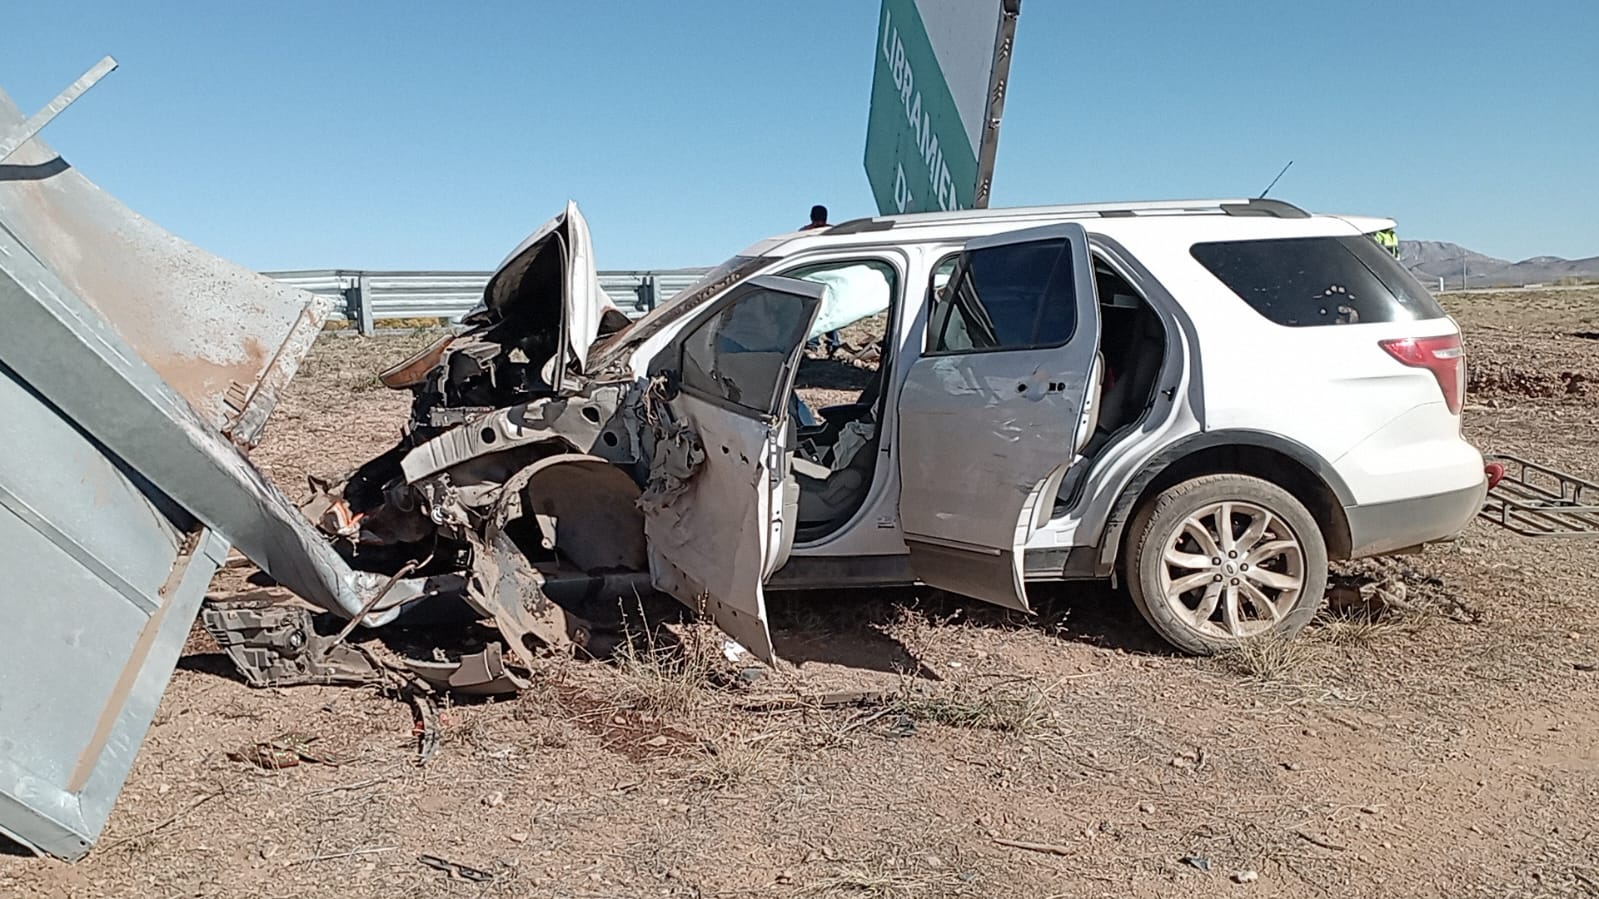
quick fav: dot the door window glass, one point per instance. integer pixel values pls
(741, 354)
(1015, 296)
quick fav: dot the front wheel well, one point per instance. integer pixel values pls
(1261, 462)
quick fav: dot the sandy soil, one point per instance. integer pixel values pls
(1444, 744)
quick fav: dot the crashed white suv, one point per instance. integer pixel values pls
(1207, 399)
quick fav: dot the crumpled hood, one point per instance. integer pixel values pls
(523, 286)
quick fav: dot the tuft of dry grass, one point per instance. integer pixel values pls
(1270, 658)
(731, 762)
(874, 880)
(1359, 629)
(1010, 708)
(669, 679)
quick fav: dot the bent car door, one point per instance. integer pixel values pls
(714, 508)
(988, 418)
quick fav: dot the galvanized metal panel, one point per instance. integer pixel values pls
(450, 295)
(425, 294)
(212, 330)
(623, 290)
(100, 588)
(333, 285)
(133, 369)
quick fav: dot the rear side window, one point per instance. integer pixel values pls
(1306, 281)
(1007, 297)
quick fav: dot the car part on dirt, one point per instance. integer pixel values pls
(1537, 501)
(426, 726)
(1224, 558)
(274, 645)
(286, 750)
(479, 674)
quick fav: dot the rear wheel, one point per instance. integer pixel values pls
(1225, 558)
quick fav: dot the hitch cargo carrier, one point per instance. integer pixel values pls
(1537, 501)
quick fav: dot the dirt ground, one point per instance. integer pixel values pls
(1441, 739)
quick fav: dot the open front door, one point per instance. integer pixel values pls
(989, 417)
(714, 513)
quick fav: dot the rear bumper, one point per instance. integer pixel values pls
(1385, 527)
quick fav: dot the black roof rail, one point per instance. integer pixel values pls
(1263, 206)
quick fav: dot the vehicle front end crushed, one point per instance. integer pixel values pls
(517, 472)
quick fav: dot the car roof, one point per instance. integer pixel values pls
(1191, 220)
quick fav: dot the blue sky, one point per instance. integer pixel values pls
(317, 134)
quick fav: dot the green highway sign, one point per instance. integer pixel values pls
(938, 89)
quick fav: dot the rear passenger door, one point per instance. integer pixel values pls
(988, 417)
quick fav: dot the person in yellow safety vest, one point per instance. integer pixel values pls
(1388, 240)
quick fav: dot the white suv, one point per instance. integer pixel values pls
(1207, 399)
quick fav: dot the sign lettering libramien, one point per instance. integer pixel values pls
(933, 117)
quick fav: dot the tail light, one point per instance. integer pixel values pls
(1442, 356)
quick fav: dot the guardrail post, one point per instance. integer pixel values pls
(361, 300)
(646, 293)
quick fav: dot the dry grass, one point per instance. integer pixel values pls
(669, 679)
(873, 879)
(1270, 659)
(1010, 707)
(1354, 628)
(732, 761)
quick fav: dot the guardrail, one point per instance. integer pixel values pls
(365, 298)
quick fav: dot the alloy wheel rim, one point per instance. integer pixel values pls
(1232, 569)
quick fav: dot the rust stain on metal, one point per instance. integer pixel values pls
(209, 328)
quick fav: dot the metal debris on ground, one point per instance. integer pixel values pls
(1538, 501)
(902, 726)
(425, 727)
(478, 674)
(277, 646)
(455, 870)
(1196, 861)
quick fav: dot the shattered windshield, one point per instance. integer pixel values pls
(683, 302)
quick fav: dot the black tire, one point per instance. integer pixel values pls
(1165, 522)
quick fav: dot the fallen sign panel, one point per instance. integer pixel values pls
(136, 371)
(1538, 501)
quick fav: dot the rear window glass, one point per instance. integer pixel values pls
(1307, 281)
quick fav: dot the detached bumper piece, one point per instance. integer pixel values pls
(278, 646)
(1537, 501)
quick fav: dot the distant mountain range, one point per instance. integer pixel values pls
(1430, 260)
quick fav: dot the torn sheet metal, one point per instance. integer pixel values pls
(134, 371)
(521, 288)
(679, 453)
(506, 587)
(223, 338)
